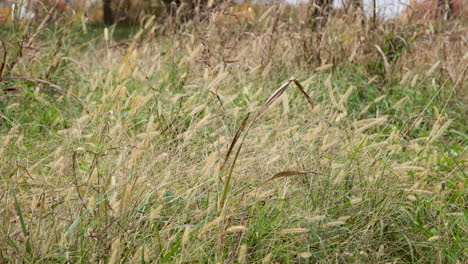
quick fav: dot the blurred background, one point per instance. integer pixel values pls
(130, 11)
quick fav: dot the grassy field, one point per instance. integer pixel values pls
(264, 142)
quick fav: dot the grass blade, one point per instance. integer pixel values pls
(270, 100)
(53, 85)
(228, 178)
(285, 174)
(171, 253)
(260, 112)
(301, 88)
(234, 141)
(100, 200)
(21, 218)
(388, 69)
(9, 240)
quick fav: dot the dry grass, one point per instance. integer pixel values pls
(146, 153)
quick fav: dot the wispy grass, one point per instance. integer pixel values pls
(140, 149)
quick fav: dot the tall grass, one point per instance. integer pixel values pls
(141, 150)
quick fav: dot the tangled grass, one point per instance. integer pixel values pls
(193, 145)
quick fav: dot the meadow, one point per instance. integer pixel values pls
(274, 140)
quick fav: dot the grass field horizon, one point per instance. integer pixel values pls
(268, 141)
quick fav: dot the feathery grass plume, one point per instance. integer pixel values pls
(355, 201)
(329, 140)
(304, 255)
(330, 89)
(235, 229)
(388, 68)
(209, 225)
(437, 132)
(137, 257)
(344, 218)
(242, 257)
(335, 223)
(414, 80)
(285, 102)
(186, 236)
(267, 258)
(294, 231)
(408, 168)
(128, 64)
(115, 251)
(455, 214)
(316, 218)
(324, 68)
(344, 98)
(363, 125)
(379, 145)
(154, 213)
(405, 78)
(433, 68)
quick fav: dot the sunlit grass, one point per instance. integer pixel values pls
(138, 168)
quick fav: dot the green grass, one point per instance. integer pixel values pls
(133, 176)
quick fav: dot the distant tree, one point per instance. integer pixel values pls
(356, 4)
(192, 8)
(320, 11)
(322, 7)
(108, 14)
(445, 8)
(437, 9)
